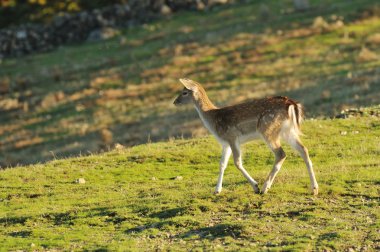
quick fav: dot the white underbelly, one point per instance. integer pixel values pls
(248, 137)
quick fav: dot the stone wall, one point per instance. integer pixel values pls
(69, 28)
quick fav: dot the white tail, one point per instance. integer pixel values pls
(296, 117)
(271, 118)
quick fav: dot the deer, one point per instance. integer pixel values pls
(273, 119)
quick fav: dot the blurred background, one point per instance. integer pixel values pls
(79, 76)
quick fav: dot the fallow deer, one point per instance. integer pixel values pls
(271, 119)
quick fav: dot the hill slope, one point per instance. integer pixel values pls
(130, 200)
(85, 98)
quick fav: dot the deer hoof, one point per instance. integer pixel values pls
(256, 189)
(265, 188)
(264, 191)
(315, 191)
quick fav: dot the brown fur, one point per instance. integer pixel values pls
(265, 114)
(272, 118)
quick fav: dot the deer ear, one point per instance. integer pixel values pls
(189, 84)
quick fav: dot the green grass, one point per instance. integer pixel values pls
(130, 200)
(127, 85)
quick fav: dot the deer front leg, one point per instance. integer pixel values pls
(226, 153)
(239, 164)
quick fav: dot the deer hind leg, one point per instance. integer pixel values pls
(298, 146)
(280, 157)
(223, 165)
(239, 164)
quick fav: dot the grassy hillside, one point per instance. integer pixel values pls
(133, 198)
(85, 98)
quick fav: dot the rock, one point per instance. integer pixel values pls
(119, 146)
(4, 85)
(200, 5)
(60, 20)
(103, 34)
(211, 3)
(80, 181)
(95, 25)
(301, 5)
(341, 116)
(165, 10)
(338, 24)
(177, 178)
(21, 34)
(320, 23)
(351, 112)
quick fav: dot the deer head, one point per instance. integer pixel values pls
(188, 94)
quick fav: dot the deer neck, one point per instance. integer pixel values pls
(202, 102)
(203, 105)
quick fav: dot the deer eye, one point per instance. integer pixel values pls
(185, 93)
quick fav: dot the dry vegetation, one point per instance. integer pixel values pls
(85, 98)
